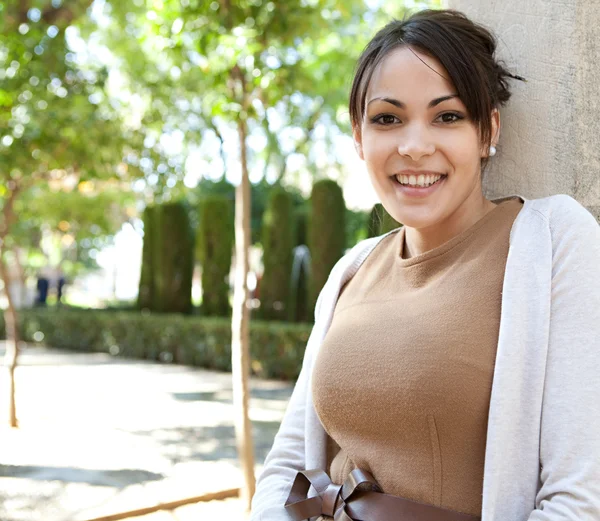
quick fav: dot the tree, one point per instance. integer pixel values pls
(54, 126)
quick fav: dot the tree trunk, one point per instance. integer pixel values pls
(12, 341)
(21, 277)
(240, 337)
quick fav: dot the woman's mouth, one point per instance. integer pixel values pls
(420, 180)
(420, 185)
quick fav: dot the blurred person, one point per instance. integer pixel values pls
(60, 281)
(44, 279)
(452, 371)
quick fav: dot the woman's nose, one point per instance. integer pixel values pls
(415, 142)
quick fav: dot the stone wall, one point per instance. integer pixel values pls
(550, 139)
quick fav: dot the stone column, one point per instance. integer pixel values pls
(550, 138)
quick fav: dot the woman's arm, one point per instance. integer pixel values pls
(570, 424)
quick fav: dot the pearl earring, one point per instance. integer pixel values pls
(492, 151)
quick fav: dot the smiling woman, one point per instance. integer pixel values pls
(422, 149)
(442, 124)
(452, 370)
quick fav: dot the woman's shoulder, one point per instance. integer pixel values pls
(570, 226)
(561, 211)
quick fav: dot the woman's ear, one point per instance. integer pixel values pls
(494, 135)
(357, 136)
(495, 127)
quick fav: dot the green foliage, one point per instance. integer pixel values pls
(277, 242)
(259, 193)
(146, 286)
(388, 223)
(380, 221)
(299, 298)
(168, 259)
(301, 214)
(374, 221)
(221, 187)
(66, 155)
(327, 236)
(177, 257)
(72, 225)
(53, 116)
(215, 249)
(276, 348)
(356, 227)
(202, 66)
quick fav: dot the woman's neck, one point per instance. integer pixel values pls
(421, 240)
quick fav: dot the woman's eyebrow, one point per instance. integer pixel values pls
(400, 105)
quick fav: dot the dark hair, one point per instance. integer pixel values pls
(464, 48)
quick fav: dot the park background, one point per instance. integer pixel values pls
(182, 170)
(153, 154)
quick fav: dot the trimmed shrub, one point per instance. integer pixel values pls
(356, 227)
(327, 233)
(277, 242)
(215, 248)
(380, 221)
(167, 260)
(174, 251)
(301, 225)
(276, 348)
(374, 221)
(145, 294)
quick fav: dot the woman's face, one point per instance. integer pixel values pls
(416, 132)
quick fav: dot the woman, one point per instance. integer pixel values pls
(453, 366)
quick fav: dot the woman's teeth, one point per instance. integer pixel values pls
(421, 180)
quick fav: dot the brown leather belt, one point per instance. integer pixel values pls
(359, 499)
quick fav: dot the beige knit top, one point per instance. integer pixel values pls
(403, 378)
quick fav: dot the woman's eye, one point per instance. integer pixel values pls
(450, 117)
(385, 119)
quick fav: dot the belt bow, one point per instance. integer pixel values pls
(331, 499)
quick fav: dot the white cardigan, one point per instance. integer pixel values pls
(542, 459)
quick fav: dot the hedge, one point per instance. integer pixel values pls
(277, 348)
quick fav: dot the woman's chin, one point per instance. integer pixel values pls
(418, 218)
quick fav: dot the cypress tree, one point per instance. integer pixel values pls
(374, 221)
(278, 242)
(167, 260)
(380, 221)
(145, 293)
(159, 276)
(327, 234)
(301, 225)
(177, 258)
(215, 248)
